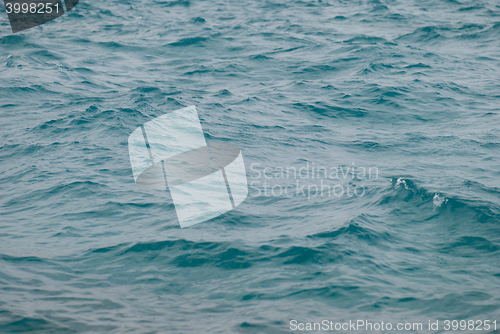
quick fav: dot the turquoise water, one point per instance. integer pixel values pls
(409, 89)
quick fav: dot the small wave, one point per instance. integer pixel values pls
(438, 200)
(324, 109)
(188, 41)
(364, 39)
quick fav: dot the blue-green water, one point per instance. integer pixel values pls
(407, 88)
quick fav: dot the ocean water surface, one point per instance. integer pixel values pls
(398, 101)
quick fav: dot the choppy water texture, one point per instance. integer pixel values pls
(409, 87)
